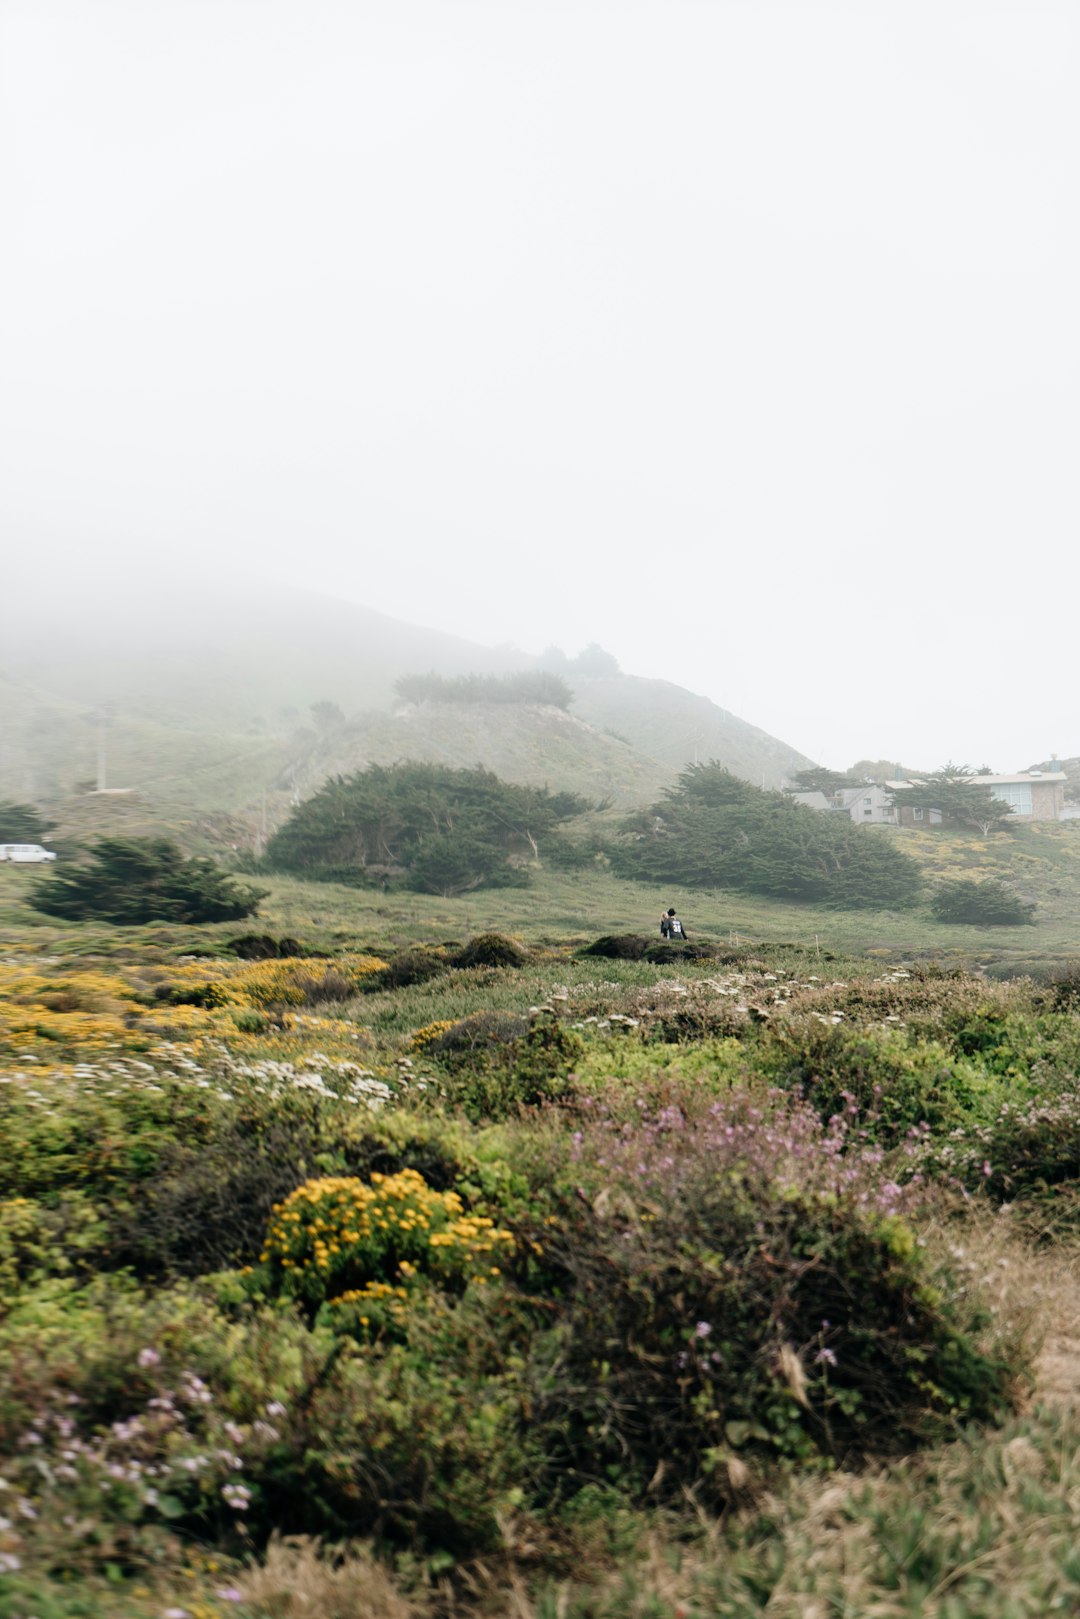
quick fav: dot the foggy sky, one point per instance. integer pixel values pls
(739, 337)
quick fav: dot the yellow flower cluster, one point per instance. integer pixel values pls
(431, 1031)
(376, 1295)
(338, 1233)
(86, 1010)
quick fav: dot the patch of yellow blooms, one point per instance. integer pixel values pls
(430, 1032)
(90, 1010)
(341, 1230)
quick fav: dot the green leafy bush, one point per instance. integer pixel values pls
(500, 1063)
(889, 1080)
(981, 903)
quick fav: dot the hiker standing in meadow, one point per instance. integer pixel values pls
(663, 924)
(675, 929)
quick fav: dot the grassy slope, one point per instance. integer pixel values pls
(675, 727)
(560, 908)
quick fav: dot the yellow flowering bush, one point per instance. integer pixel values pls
(292, 981)
(431, 1031)
(338, 1234)
(298, 980)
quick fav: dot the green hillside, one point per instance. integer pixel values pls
(209, 703)
(677, 727)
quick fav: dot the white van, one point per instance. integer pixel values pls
(25, 852)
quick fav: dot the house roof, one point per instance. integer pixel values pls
(1022, 778)
(851, 795)
(813, 800)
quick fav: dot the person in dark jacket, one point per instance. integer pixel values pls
(675, 929)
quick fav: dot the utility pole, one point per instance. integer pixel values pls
(102, 747)
(260, 835)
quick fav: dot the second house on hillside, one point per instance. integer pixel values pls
(1032, 795)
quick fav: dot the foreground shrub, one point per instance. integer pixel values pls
(1028, 1148)
(740, 1280)
(131, 1425)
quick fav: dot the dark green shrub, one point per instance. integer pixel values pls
(477, 1036)
(986, 903)
(254, 947)
(205, 1207)
(734, 1281)
(617, 947)
(416, 966)
(693, 950)
(491, 950)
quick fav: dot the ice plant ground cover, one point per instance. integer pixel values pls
(603, 1283)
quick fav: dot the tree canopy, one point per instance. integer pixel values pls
(531, 686)
(713, 830)
(422, 826)
(22, 823)
(133, 880)
(819, 779)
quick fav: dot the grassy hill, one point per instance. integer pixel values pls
(209, 701)
(676, 726)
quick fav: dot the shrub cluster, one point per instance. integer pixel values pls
(740, 1280)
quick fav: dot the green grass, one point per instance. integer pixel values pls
(563, 910)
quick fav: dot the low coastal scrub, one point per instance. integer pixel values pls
(485, 1272)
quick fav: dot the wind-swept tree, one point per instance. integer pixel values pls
(714, 830)
(134, 880)
(819, 779)
(425, 826)
(22, 823)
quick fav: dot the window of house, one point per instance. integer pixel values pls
(917, 815)
(868, 800)
(868, 812)
(1016, 795)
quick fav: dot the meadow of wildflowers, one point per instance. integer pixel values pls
(462, 1263)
